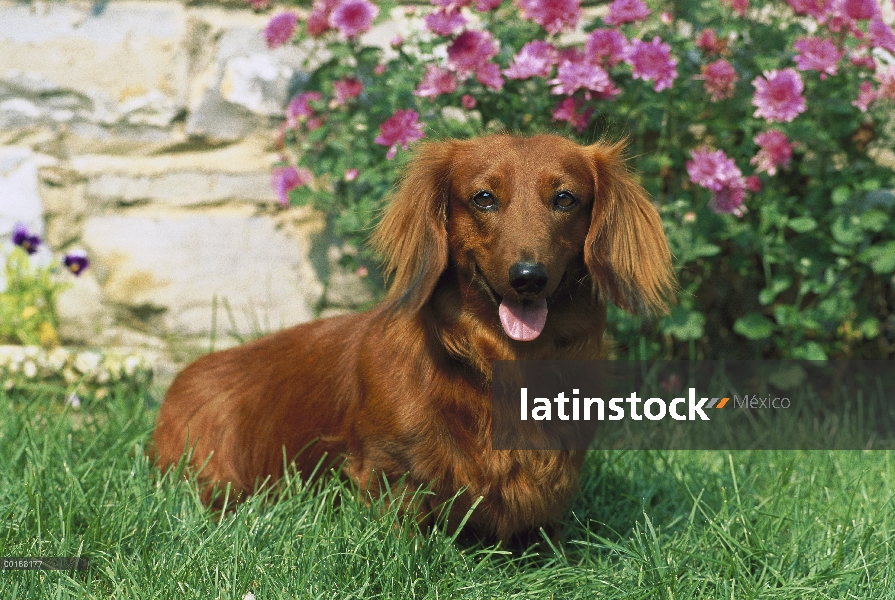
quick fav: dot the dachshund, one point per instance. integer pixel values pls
(498, 248)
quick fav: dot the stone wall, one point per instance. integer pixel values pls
(143, 133)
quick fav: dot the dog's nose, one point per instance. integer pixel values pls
(528, 278)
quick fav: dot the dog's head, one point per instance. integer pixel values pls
(512, 215)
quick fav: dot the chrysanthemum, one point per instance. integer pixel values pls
(709, 43)
(552, 15)
(437, 81)
(652, 62)
(489, 75)
(778, 95)
(713, 170)
(573, 76)
(471, 50)
(817, 54)
(567, 111)
(605, 46)
(353, 17)
(860, 10)
(468, 102)
(866, 96)
(400, 129)
(347, 88)
(318, 20)
(776, 151)
(285, 179)
(626, 11)
(300, 107)
(280, 28)
(719, 79)
(815, 8)
(486, 5)
(886, 78)
(444, 21)
(881, 35)
(535, 59)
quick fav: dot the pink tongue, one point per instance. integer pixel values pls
(523, 321)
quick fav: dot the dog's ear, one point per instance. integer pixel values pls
(412, 235)
(626, 251)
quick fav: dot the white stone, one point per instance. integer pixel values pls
(183, 263)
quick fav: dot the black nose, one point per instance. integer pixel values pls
(528, 278)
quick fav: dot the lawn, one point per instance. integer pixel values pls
(646, 524)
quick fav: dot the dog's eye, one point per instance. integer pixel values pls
(485, 201)
(564, 201)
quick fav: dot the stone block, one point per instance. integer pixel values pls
(170, 268)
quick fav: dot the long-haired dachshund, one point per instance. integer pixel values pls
(499, 248)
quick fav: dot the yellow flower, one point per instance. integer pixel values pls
(29, 312)
(47, 334)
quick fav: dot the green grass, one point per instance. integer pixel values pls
(646, 525)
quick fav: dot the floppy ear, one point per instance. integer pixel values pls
(625, 250)
(412, 235)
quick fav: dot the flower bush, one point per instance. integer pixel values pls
(761, 132)
(82, 374)
(28, 302)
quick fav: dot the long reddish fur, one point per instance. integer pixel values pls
(404, 389)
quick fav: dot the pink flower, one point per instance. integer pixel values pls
(753, 183)
(775, 151)
(739, 6)
(400, 129)
(708, 42)
(572, 76)
(860, 9)
(379, 69)
(437, 81)
(351, 174)
(347, 88)
(318, 21)
(817, 54)
(470, 51)
(300, 108)
(713, 170)
(535, 59)
(552, 15)
(486, 5)
(353, 17)
(881, 35)
(886, 79)
(488, 75)
(468, 102)
(815, 8)
(778, 95)
(280, 28)
(719, 79)
(626, 11)
(445, 22)
(567, 110)
(285, 179)
(652, 62)
(605, 44)
(867, 95)
(667, 18)
(259, 4)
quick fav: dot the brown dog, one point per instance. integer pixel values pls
(500, 248)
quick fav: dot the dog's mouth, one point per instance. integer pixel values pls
(522, 320)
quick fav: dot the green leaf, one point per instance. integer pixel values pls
(809, 351)
(779, 284)
(874, 220)
(754, 326)
(802, 224)
(869, 328)
(880, 257)
(841, 195)
(684, 324)
(846, 231)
